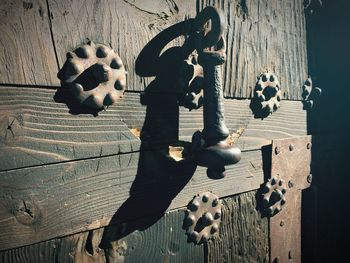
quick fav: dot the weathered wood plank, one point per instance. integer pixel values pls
(165, 241)
(263, 35)
(55, 200)
(258, 36)
(38, 128)
(26, 50)
(243, 232)
(126, 26)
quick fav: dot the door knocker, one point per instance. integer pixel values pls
(210, 147)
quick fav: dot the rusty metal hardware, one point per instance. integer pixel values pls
(209, 146)
(191, 82)
(291, 160)
(95, 74)
(267, 94)
(310, 94)
(191, 73)
(202, 218)
(274, 195)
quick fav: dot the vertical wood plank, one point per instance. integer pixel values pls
(243, 233)
(26, 50)
(263, 35)
(126, 26)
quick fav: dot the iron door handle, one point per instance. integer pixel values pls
(210, 146)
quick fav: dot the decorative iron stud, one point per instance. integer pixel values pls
(310, 94)
(191, 83)
(95, 74)
(273, 195)
(203, 216)
(267, 95)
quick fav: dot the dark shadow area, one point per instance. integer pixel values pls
(159, 177)
(326, 206)
(266, 152)
(256, 108)
(64, 95)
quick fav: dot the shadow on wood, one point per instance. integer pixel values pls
(64, 95)
(160, 174)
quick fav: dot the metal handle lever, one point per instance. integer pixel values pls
(209, 146)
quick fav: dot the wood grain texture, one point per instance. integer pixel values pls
(263, 35)
(259, 37)
(243, 233)
(165, 241)
(55, 200)
(126, 26)
(26, 50)
(38, 128)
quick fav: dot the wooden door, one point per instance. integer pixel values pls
(77, 186)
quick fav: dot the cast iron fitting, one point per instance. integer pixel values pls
(210, 146)
(215, 129)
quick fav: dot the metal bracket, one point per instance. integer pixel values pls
(202, 218)
(95, 74)
(291, 159)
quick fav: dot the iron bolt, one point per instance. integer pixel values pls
(215, 202)
(207, 219)
(290, 184)
(277, 150)
(291, 147)
(205, 198)
(194, 206)
(309, 178)
(282, 223)
(217, 215)
(290, 254)
(214, 228)
(308, 146)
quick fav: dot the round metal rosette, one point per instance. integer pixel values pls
(95, 74)
(273, 196)
(268, 93)
(203, 216)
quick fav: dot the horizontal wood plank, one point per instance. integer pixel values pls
(164, 241)
(45, 202)
(37, 126)
(26, 50)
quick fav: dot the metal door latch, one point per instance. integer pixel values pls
(95, 74)
(209, 146)
(203, 216)
(267, 95)
(310, 94)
